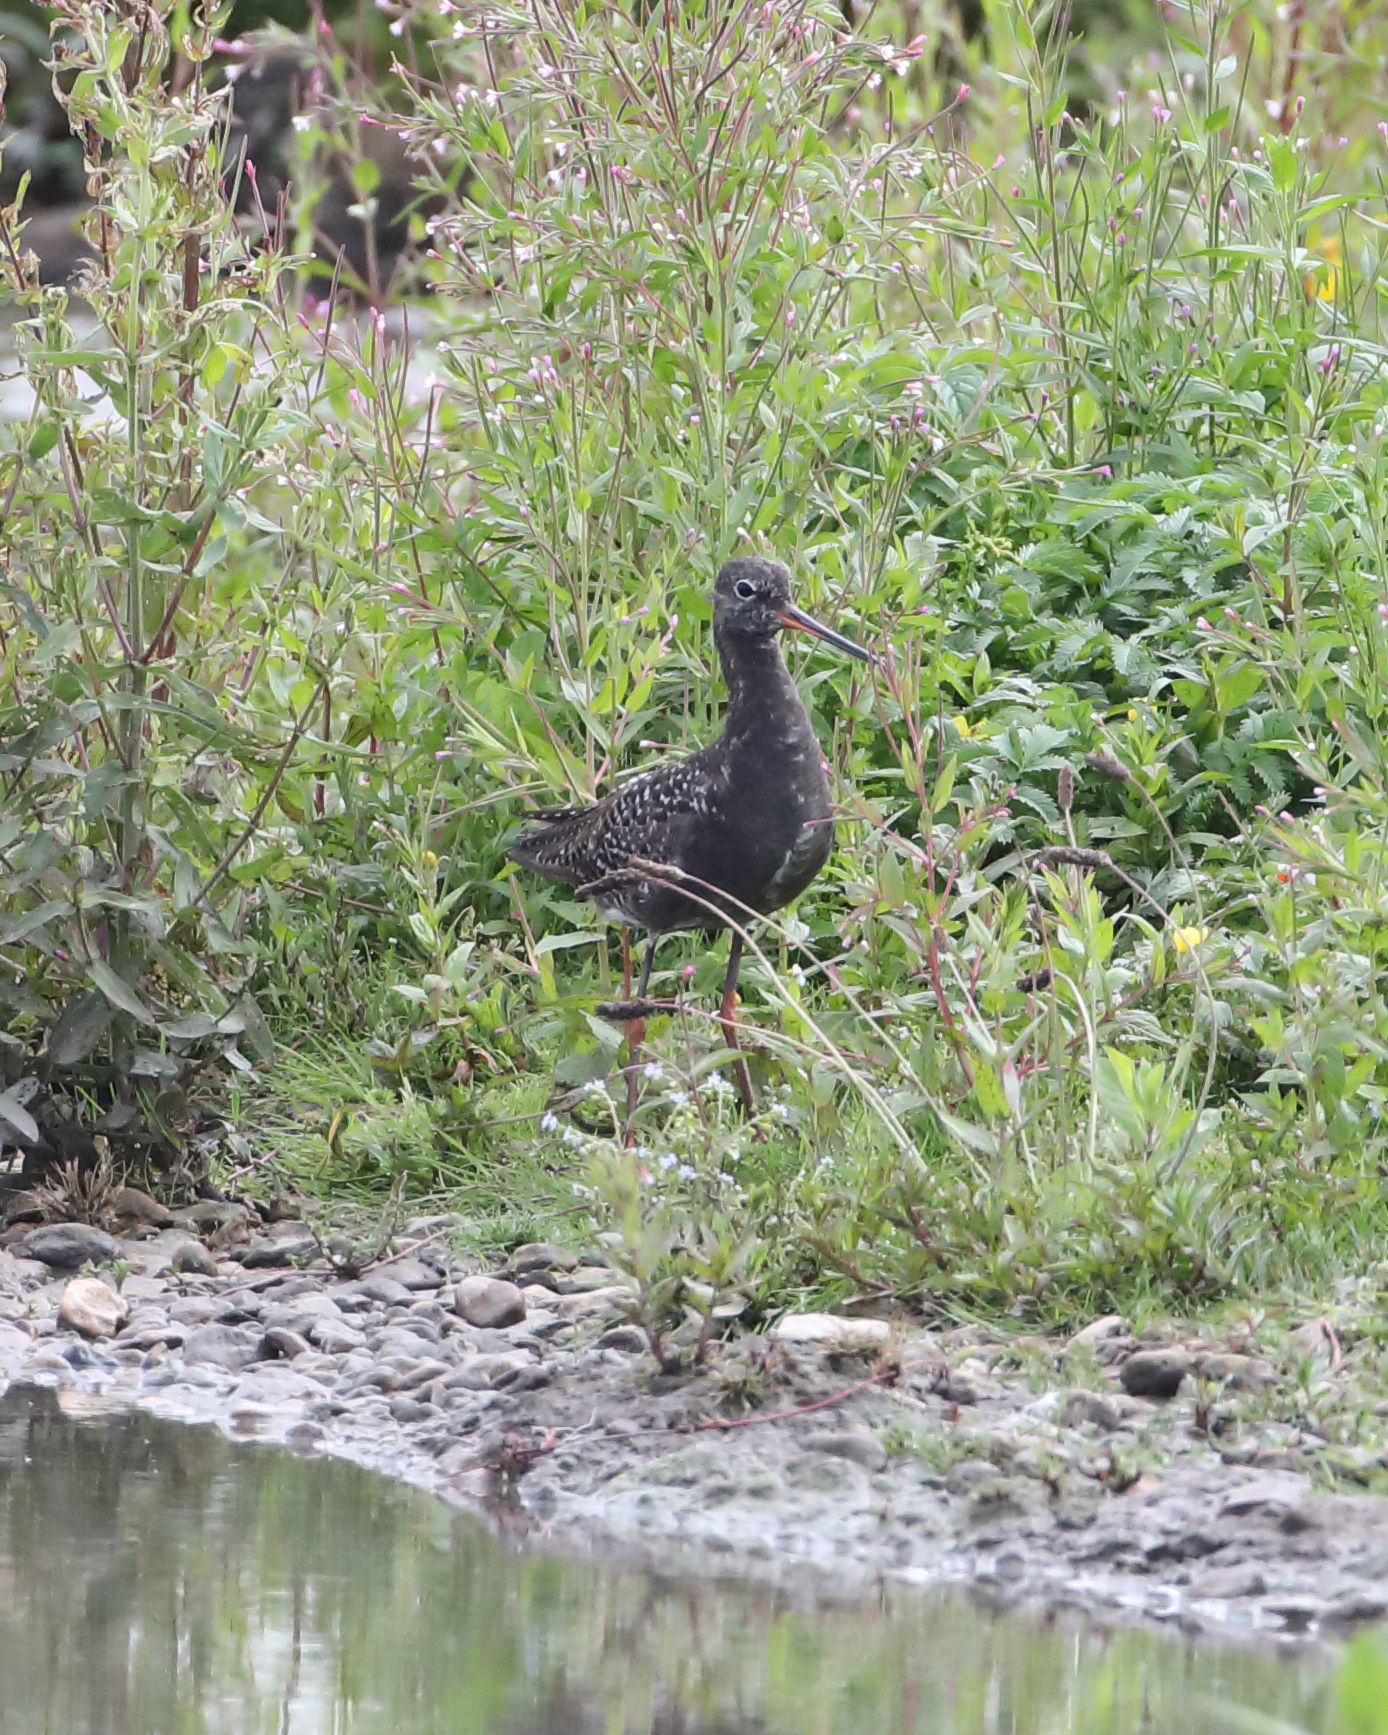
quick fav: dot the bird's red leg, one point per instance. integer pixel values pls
(636, 1027)
(727, 1019)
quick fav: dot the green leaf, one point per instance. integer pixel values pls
(83, 1023)
(119, 992)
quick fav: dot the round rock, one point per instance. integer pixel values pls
(489, 1302)
(65, 1246)
(831, 1331)
(1155, 1373)
(222, 1346)
(91, 1306)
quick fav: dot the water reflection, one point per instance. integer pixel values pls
(157, 1580)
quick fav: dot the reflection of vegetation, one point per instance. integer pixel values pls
(156, 1581)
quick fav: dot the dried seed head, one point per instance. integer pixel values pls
(1093, 859)
(1107, 766)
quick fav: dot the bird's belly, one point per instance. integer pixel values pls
(800, 863)
(764, 865)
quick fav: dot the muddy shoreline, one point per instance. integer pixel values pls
(1034, 1471)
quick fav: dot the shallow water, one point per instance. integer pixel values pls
(156, 1579)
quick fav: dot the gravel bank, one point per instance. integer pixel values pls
(1158, 1477)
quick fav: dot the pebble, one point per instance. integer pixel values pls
(859, 1444)
(14, 1344)
(91, 1306)
(969, 1383)
(420, 1373)
(208, 1214)
(482, 1371)
(617, 1300)
(584, 1279)
(335, 1336)
(376, 1288)
(410, 1273)
(831, 1331)
(488, 1302)
(1095, 1409)
(131, 1209)
(542, 1255)
(1155, 1373)
(1240, 1373)
(280, 1341)
(282, 1244)
(629, 1339)
(223, 1346)
(65, 1246)
(1109, 1325)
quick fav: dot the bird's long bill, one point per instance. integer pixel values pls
(790, 616)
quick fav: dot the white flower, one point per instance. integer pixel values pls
(549, 1122)
(653, 1069)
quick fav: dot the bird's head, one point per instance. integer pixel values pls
(752, 600)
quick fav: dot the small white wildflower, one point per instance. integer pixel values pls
(685, 1173)
(653, 1069)
(549, 1122)
(677, 1098)
(667, 1161)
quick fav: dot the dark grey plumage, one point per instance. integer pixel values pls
(749, 815)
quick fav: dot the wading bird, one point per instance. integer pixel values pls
(740, 827)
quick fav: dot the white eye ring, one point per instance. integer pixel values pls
(744, 589)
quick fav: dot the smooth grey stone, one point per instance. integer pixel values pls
(404, 1408)
(583, 1280)
(542, 1256)
(191, 1257)
(411, 1272)
(860, 1445)
(335, 1337)
(488, 1302)
(196, 1309)
(389, 1291)
(223, 1346)
(1155, 1373)
(280, 1341)
(65, 1246)
(407, 1379)
(1098, 1409)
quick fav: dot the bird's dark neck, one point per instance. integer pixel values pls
(761, 694)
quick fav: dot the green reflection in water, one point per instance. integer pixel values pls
(158, 1580)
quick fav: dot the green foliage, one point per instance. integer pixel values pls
(1077, 418)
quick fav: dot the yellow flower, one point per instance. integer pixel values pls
(1132, 714)
(431, 861)
(962, 725)
(1324, 282)
(1187, 939)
